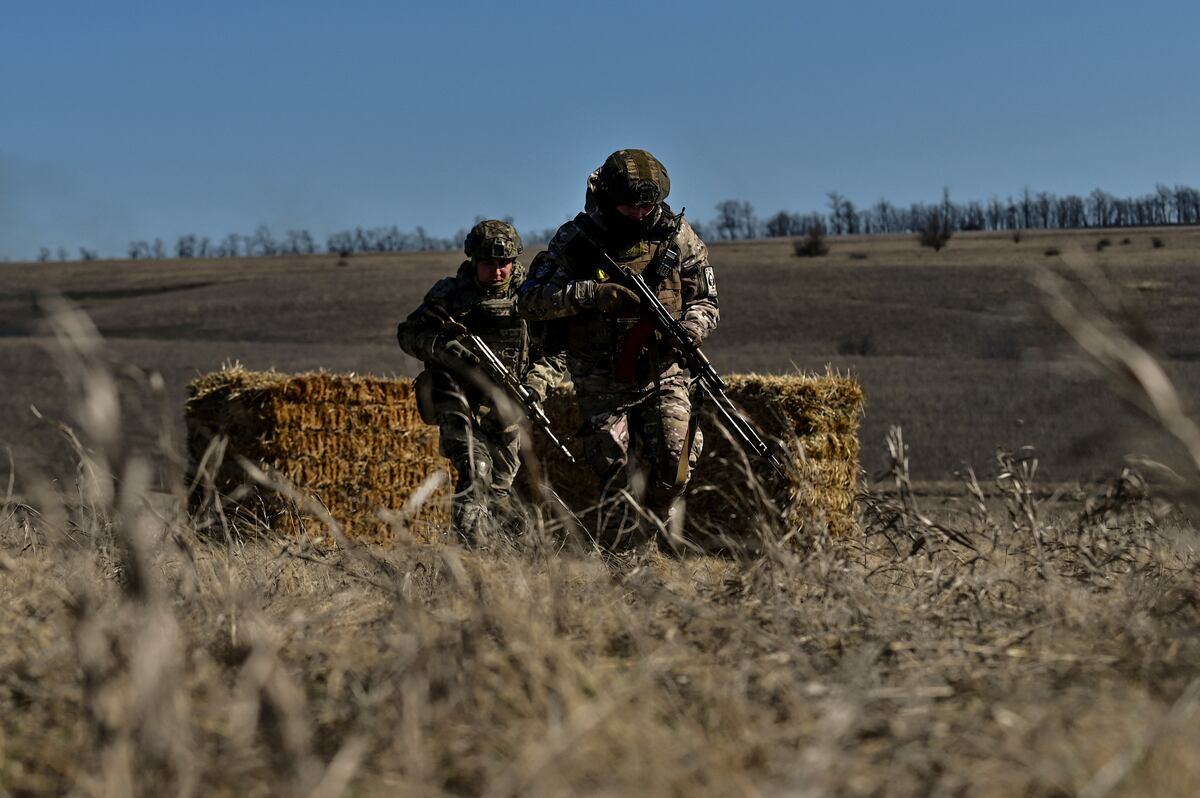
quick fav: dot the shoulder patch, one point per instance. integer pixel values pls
(541, 267)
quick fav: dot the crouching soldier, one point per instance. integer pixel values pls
(479, 427)
(632, 388)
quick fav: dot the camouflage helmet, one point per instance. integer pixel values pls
(493, 239)
(634, 177)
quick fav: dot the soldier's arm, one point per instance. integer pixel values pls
(700, 310)
(550, 292)
(548, 363)
(420, 335)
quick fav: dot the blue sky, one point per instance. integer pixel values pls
(123, 120)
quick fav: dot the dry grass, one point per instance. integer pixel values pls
(975, 650)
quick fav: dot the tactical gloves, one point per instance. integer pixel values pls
(608, 299)
(537, 387)
(693, 332)
(615, 300)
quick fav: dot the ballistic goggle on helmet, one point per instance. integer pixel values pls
(493, 239)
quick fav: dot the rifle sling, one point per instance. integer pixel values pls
(685, 453)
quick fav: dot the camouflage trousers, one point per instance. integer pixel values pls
(487, 461)
(635, 435)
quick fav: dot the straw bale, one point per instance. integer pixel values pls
(357, 444)
(812, 419)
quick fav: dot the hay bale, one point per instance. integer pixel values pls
(814, 420)
(357, 444)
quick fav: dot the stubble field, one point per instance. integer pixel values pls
(993, 644)
(949, 345)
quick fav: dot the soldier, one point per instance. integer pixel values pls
(632, 391)
(479, 427)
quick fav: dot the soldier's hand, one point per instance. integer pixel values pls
(538, 388)
(615, 300)
(454, 353)
(693, 335)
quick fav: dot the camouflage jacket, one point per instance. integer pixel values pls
(491, 315)
(553, 289)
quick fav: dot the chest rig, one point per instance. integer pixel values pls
(656, 258)
(494, 319)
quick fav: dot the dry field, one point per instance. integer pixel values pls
(991, 645)
(949, 344)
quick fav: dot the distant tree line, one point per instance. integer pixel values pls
(1043, 210)
(735, 219)
(295, 242)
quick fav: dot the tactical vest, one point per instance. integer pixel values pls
(595, 336)
(495, 321)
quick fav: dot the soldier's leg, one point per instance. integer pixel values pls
(606, 434)
(504, 447)
(606, 448)
(665, 424)
(462, 443)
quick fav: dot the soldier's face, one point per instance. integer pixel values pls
(637, 212)
(492, 271)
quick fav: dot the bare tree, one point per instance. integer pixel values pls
(262, 242)
(781, 225)
(726, 223)
(836, 222)
(1100, 204)
(230, 246)
(972, 217)
(1043, 202)
(185, 247)
(885, 216)
(1026, 208)
(735, 219)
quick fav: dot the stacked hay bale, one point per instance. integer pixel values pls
(358, 445)
(355, 444)
(814, 420)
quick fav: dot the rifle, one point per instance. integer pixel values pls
(501, 376)
(655, 317)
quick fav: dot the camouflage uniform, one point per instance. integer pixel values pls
(634, 429)
(479, 427)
